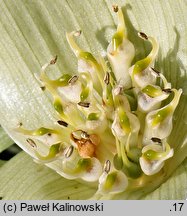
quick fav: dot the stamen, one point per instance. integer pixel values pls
(107, 78)
(84, 104)
(68, 151)
(154, 70)
(143, 35)
(63, 123)
(115, 8)
(31, 143)
(20, 124)
(73, 80)
(84, 135)
(53, 61)
(43, 88)
(155, 139)
(107, 166)
(76, 135)
(168, 90)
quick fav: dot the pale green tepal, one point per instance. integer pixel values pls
(107, 127)
(93, 105)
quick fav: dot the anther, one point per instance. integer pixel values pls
(43, 88)
(62, 123)
(20, 124)
(168, 90)
(115, 8)
(132, 87)
(31, 142)
(53, 61)
(155, 139)
(76, 135)
(73, 79)
(107, 166)
(157, 72)
(107, 78)
(84, 135)
(143, 35)
(77, 33)
(68, 151)
(84, 104)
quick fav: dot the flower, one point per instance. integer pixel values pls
(32, 32)
(96, 122)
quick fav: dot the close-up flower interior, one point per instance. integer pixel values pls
(93, 100)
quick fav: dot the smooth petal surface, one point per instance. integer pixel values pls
(32, 32)
(26, 180)
(5, 140)
(167, 190)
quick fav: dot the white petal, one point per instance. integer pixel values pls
(116, 128)
(120, 133)
(71, 92)
(160, 131)
(48, 140)
(121, 60)
(147, 104)
(97, 125)
(84, 66)
(147, 77)
(151, 167)
(120, 184)
(95, 172)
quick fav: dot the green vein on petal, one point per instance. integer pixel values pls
(32, 32)
(25, 180)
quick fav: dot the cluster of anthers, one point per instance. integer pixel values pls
(111, 124)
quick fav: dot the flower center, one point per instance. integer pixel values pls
(85, 143)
